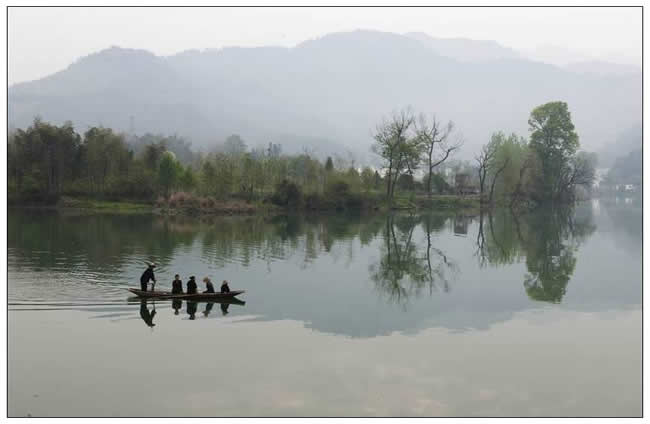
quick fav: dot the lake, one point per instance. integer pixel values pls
(438, 314)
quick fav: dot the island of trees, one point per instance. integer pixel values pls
(47, 162)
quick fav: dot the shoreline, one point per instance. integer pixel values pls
(234, 207)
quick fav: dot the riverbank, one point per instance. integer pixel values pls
(192, 206)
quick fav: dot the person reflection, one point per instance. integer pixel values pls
(177, 304)
(191, 309)
(146, 315)
(208, 308)
(224, 308)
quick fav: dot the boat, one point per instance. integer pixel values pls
(198, 296)
(225, 300)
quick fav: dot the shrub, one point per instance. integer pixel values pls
(287, 193)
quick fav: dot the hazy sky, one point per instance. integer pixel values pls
(46, 40)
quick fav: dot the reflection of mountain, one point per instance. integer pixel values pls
(334, 273)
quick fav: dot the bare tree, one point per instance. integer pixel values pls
(433, 139)
(398, 151)
(485, 162)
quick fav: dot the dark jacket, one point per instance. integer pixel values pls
(177, 286)
(209, 287)
(225, 288)
(147, 275)
(191, 287)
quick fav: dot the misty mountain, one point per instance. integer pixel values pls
(466, 50)
(628, 140)
(325, 95)
(602, 68)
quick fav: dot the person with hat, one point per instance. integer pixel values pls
(191, 286)
(147, 275)
(177, 285)
(208, 285)
(224, 287)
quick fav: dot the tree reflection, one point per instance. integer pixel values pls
(403, 270)
(548, 239)
(550, 254)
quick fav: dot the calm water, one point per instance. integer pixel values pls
(436, 314)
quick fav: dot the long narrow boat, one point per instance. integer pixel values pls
(185, 296)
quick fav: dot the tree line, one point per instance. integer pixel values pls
(46, 161)
(547, 168)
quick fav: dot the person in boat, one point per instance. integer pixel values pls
(209, 288)
(146, 315)
(191, 286)
(191, 309)
(224, 287)
(177, 285)
(147, 276)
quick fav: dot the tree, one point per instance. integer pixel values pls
(45, 155)
(187, 179)
(234, 145)
(485, 160)
(152, 154)
(433, 140)
(329, 165)
(106, 154)
(396, 148)
(367, 179)
(208, 176)
(554, 140)
(169, 172)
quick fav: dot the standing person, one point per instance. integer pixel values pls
(191, 286)
(147, 275)
(208, 285)
(224, 287)
(177, 285)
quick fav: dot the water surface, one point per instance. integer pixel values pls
(403, 315)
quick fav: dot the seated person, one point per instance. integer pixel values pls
(191, 286)
(208, 285)
(177, 285)
(224, 287)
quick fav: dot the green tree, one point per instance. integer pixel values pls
(188, 179)
(169, 172)
(329, 165)
(555, 142)
(367, 179)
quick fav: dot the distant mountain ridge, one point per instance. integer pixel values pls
(325, 94)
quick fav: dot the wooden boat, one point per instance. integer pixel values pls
(185, 296)
(223, 300)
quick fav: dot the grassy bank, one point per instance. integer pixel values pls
(187, 204)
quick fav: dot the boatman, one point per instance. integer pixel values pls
(177, 285)
(146, 276)
(191, 286)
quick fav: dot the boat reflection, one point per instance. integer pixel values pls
(148, 307)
